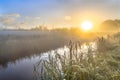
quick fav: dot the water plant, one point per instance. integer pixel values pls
(92, 64)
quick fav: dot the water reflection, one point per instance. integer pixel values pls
(55, 57)
(22, 69)
(65, 50)
(19, 70)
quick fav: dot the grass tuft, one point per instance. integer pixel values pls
(92, 64)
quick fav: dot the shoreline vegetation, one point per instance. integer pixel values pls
(104, 64)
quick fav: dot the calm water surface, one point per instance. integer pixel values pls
(22, 69)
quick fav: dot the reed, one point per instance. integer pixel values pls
(99, 64)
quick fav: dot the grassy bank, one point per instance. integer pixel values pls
(100, 64)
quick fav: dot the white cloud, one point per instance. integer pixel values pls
(13, 15)
(37, 18)
(8, 19)
(27, 17)
(68, 18)
(16, 21)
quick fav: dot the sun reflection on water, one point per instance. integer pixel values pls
(65, 50)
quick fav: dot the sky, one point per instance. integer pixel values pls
(32, 13)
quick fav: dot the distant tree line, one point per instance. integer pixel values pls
(111, 25)
(107, 25)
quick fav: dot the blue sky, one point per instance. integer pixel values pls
(54, 12)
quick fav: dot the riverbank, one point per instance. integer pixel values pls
(19, 44)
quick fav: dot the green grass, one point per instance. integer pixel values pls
(76, 65)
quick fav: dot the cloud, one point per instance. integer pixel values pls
(16, 21)
(67, 18)
(9, 19)
(37, 18)
(27, 17)
(13, 15)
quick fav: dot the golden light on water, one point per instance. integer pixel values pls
(86, 25)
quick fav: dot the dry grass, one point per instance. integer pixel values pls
(78, 65)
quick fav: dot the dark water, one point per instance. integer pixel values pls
(20, 50)
(23, 69)
(19, 70)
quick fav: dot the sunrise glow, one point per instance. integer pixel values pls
(86, 25)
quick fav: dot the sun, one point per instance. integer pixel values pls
(86, 25)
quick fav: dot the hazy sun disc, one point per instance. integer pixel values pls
(86, 25)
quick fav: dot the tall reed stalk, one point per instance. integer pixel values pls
(80, 65)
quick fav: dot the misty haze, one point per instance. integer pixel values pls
(59, 40)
